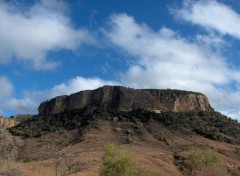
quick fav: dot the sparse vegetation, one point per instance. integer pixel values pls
(13, 168)
(161, 138)
(40, 125)
(118, 163)
(175, 91)
(9, 148)
(212, 125)
(199, 162)
(9, 145)
(67, 167)
(203, 158)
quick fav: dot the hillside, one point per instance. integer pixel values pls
(162, 143)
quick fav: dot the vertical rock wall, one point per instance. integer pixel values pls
(127, 99)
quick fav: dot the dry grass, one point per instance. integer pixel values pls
(26, 169)
(45, 168)
(153, 156)
(34, 168)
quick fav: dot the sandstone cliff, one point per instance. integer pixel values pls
(6, 122)
(127, 99)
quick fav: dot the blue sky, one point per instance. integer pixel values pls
(50, 48)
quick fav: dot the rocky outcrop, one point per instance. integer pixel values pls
(128, 99)
(6, 122)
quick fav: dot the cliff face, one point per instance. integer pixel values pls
(6, 123)
(127, 99)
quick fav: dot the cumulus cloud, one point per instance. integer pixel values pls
(211, 15)
(24, 105)
(28, 35)
(7, 88)
(78, 84)
(71, 86)
(31, 100)
(164, 59)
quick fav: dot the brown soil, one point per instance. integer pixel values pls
(155, 148)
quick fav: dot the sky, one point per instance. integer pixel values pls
(50, 48)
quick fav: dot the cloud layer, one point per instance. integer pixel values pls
(211, 15)
(164, 59)
(31, 100)
(6, 87)
(28, 35)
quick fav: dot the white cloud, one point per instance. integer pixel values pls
(24, 105)
(167, 60)
(28, 35)
(77, 84)
(31, 100)
(212, 41)
(211, 15)
(6, 89)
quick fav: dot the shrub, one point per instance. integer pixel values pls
(8, 145)
(200, 159)
(118, 163)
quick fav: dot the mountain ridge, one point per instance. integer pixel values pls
(128, 99)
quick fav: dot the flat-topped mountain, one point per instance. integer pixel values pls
(128, 99)
(69, 135)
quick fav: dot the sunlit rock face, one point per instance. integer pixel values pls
(128, 99)
(6, 122)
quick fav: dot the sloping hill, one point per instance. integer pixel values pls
(166, 143)
(161, 143)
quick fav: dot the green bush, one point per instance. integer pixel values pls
(201, 158)
(118, 163)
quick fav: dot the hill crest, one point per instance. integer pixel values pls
(128, 99)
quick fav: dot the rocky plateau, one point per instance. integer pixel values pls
(128, 99)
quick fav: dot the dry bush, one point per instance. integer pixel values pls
(203, 161)
(9, 145)
(67, 167)
(118, 163)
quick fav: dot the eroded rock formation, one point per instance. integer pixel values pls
(127, 99)
(6, 122)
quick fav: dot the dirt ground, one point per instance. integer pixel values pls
(154, 148)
